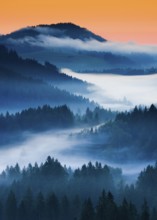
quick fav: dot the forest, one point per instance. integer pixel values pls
(132, 133)
(53, 192)
(41, 119)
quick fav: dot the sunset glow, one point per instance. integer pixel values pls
(117, 20)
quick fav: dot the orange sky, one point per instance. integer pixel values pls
(118, 20)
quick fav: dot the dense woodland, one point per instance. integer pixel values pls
(47, 118)
(37, 119)
(53, 192)
(133, 134)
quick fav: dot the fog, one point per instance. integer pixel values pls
(65, 146)
(44, 39)
(37, 147)
(119, 92)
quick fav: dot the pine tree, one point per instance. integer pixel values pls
(111, 211)
(65, 206)
(101, 207)
(11, 207)
(124, 211)
(145, 211)
(22, 214)
(154, 214)
(52, 207)
(87, 211)
(40, 207)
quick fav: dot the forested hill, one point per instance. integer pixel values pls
(11, 62)
(136, 129)
(131, 136)
(18, 92)
(26, 83)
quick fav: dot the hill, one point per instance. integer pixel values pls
(67, 46)
(60, 30)
(26, 83)
(30, 68)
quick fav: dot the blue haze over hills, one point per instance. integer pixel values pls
(67, 45)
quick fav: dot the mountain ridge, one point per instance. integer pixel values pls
(26, 83)
(60, 30)
(68, 45)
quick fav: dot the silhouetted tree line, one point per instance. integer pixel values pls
(37, 119)
(46, 118)
(126, 71)
(134, 131)
(31, 193)
(96, 116)
(145, 188)
(86, 181)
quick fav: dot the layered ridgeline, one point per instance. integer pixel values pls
(130, 137)
(26, 83)
(30, 68)
(13, 127)
(70, 46)
(51, 191)
(118, 138)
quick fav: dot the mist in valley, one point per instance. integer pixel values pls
(119, 92)
(71, 149)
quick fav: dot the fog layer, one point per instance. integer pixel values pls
(120, 92)
(38, 146)
(64, 146)
(47, 41)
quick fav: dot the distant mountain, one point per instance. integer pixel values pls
(60, 30)
(66, 45)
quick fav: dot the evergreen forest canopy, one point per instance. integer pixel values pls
(46, 118)
(130, 137)
(51, 191)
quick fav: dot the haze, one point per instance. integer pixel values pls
(119, 92)
(70, 151)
